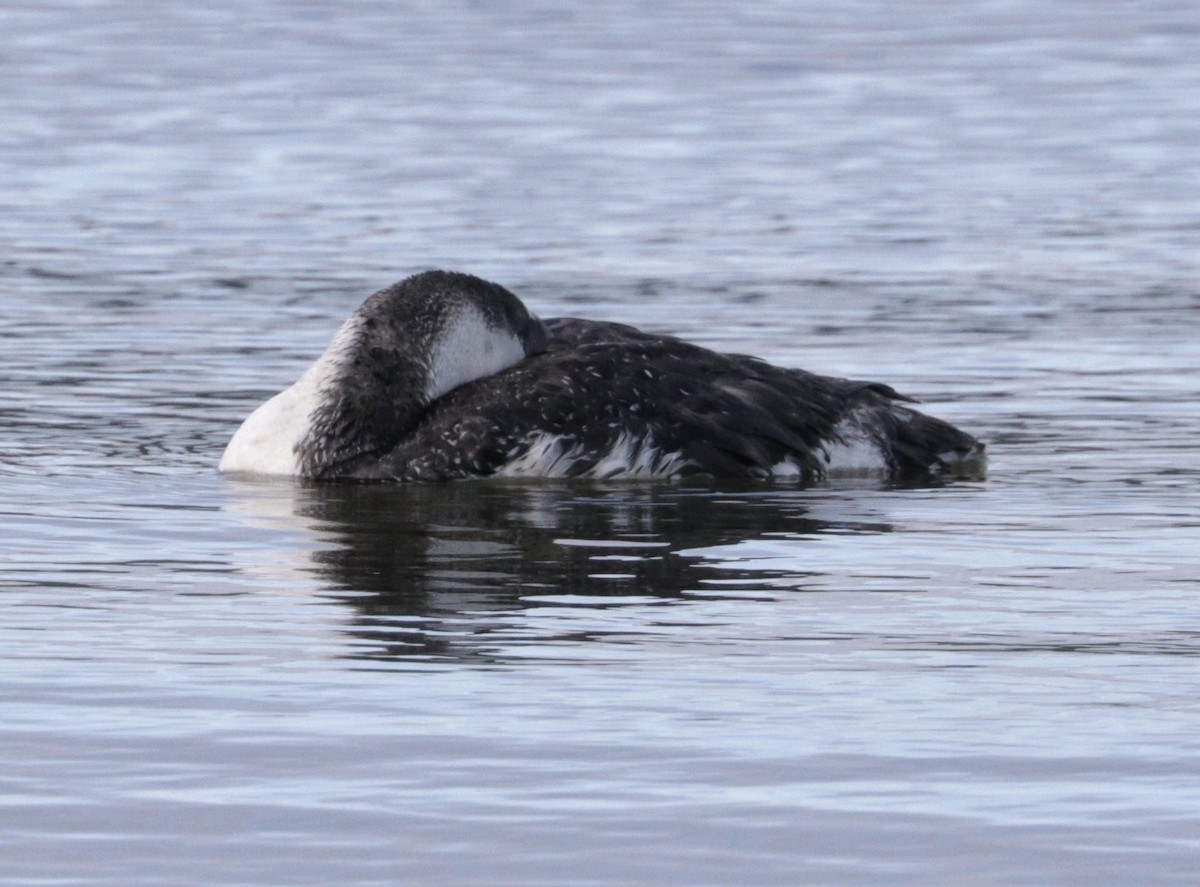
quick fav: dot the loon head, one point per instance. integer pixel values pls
(402, 349)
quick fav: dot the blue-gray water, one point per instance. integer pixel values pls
(993, 206)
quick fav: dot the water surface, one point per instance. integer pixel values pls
(210, 681)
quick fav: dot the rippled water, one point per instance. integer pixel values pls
(993, 206)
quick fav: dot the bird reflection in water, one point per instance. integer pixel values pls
(442, 571)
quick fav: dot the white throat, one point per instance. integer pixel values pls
(266, 441)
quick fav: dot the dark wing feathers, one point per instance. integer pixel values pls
(726, 415)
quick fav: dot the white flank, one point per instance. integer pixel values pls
(787, 467)
(852, 451)
(637, 457)
(266, 442)
(551, 455)
(470, 348)
(547, 456)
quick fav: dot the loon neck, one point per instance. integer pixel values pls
(392, 358)
(332, 415)
(268, 441)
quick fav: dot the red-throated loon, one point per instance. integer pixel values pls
(445, 376)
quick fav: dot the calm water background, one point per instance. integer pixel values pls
(994, 206)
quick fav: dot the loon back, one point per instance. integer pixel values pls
(447, 376)
(607, 400)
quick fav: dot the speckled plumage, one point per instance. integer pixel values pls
(588, 398)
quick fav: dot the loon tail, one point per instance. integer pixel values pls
(922, 445)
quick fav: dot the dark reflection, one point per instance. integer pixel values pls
(443, 569)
